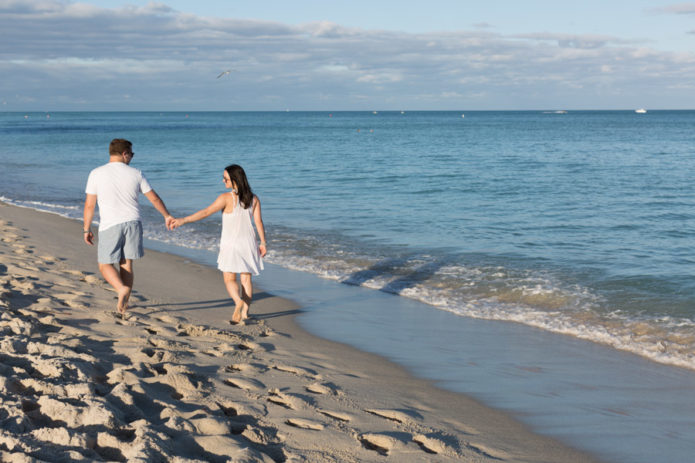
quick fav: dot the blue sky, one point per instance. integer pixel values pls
(346, 55)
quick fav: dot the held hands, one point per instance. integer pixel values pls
(175, 223)
(172, 222)
(169, 220)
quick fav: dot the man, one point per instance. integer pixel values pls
(115, 187)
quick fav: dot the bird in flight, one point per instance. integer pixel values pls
(224, 73)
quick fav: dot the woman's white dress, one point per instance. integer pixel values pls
(238, 247)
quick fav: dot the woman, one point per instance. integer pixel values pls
(239, 252)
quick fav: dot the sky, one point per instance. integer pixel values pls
(346, 55)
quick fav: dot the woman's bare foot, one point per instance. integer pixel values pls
(245, 311)
(123, 296)
(236, 316)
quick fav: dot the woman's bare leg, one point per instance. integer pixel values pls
(246, 294)
(233, 289)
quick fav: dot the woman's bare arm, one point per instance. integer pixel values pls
(258, 219)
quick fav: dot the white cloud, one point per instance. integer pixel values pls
(380, 78)
(160, 57)
(334, 68)
(681, 8)
(586, 41)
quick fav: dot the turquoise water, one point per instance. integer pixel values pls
(578, 223)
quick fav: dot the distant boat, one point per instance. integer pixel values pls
(463, 115)
(562, 111)
(641, 111)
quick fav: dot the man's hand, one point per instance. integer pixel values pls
(89, 238)
(169, 221)
(176, 223)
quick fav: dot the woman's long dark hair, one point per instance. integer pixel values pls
(238, 177)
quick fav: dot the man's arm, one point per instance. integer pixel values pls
(90, 203)
(159, 205)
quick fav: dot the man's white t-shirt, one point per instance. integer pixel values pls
(117, 185)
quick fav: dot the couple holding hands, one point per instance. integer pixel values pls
(115, 187)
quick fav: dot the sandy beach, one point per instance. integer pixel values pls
(175, 381)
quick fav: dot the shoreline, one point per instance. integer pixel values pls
(284, 414)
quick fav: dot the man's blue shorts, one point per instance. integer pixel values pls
(122, 241)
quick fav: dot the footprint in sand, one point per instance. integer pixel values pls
(219, 350)
(266, 439)
(229, 409)
(171, 346)
(429, 444)
(278, 398)
(248, 346)
(185, 329)
(336, 415)
(10, 237)
(317, 388)
(181, 382)
(123, 374)
(288, 369)
(211, 426)
(148, 355)
(299, 371)
(77, 273)
(488, 452)
(378, 442)
(238, 367)
(22, 249)
(70, 300)
(23, 286)
(212, 352)
(393, 415)
(125, 319)
(168, 319)
(245, 384)
(304, 424)
(48, 320)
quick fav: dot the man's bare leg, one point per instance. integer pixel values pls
(113, 277)
(127, 276)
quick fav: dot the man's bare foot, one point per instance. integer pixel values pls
(236, 316)
(123, 296)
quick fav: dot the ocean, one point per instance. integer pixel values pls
(408, 233)
(580, 223)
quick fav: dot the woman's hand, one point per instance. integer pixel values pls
(262, 249)
(176, 223)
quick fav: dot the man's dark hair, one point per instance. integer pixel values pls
(119, 145)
